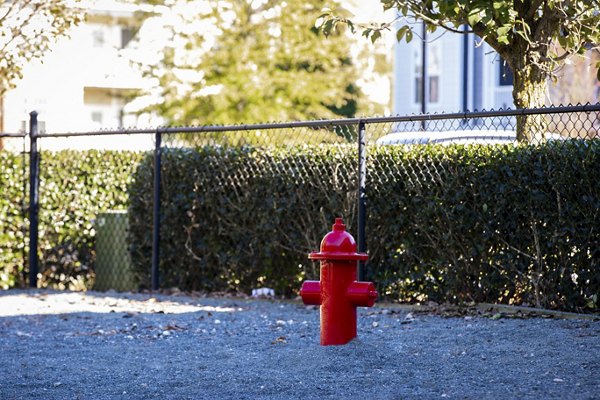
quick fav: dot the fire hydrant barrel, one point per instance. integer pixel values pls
(338, 314)
(338, 293)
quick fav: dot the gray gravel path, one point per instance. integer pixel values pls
(57, 345)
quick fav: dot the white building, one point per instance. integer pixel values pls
(82, 83)
(462, 74)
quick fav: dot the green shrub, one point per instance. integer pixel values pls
(13, 208)
(493, 224)
(238, 218)
(74, 187)
(503, 224)
(478, 223)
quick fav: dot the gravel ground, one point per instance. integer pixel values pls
(62, 345)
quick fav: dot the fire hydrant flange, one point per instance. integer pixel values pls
(338, 293)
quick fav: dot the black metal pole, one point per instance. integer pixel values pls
(34, 182)
(465, 73)
(156, 213)
(24, 210)
(362, 198)
(424, 74)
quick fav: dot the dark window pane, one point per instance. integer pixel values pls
(434, 89)
(505, 74)
(126, 36)
(418, 94)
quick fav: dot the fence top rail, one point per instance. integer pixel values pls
(12, 135)
(330, 123)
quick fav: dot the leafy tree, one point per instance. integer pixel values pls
(534, 37)
(27, 29)
(254, 61)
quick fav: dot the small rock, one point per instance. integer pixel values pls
(408, 319)
(263, 292)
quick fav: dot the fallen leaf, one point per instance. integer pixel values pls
(174, 327)
(280, 339)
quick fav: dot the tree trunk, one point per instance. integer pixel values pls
(529, 91)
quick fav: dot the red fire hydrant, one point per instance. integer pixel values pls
(338, 293)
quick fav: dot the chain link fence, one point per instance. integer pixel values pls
(232, 199)
(557, 125)
(82, 209)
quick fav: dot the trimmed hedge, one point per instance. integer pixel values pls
(237, 218)
(485, 223)
(480, 223)
(494, 224)
(13, 206)
(74, 187)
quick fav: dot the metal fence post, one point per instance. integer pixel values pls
(156, 212)
(34, 183)
(424, 77)
(362, 197)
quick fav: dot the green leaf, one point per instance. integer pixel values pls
(376, 35)
(503, 30)
(400, 33)
(474, 17)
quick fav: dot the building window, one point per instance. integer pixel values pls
(418, 87)
(98, 38)
(41, 126)
(434, 89)
(505, 74)
(97, 117)
(126, 36)
(433, 73)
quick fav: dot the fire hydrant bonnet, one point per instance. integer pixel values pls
(338, 245)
